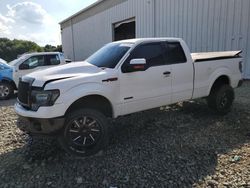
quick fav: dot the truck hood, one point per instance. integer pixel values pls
(62, 72)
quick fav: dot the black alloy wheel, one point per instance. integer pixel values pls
(221, 99)
(85, 133)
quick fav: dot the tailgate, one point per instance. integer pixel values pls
(209, 56)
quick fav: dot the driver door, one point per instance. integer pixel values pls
(149, 88)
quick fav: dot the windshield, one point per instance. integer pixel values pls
(109, 55)
(13, 63)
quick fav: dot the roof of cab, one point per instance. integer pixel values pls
(42, 53)
(139, 40)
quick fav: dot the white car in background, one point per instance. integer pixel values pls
(11, 73)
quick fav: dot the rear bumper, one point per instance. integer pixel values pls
(37, 126)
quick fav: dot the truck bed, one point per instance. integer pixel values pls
(213, 65)
(209, 56)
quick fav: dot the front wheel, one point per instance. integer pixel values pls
(221, 99)
(6, 91)
(85, 133)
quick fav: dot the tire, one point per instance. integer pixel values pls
(85, 133)
(6, 91)
(221, 99)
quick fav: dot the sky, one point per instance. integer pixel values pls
(37, 20)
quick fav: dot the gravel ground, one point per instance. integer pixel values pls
(182, 146)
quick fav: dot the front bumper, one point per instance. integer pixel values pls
(57, 110)
(46, 121)
(40, 126)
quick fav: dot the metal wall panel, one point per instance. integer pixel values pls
(92, 33)
(247, 49)
(206, 25)
(67, 42)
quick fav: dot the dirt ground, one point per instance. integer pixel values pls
(185, 145)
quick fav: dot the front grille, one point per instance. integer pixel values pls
(23, 92)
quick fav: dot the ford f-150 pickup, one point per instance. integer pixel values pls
(73, 102)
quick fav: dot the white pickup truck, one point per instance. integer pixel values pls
(73, 101)
(25, 64)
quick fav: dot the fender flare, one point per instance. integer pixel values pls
(219, 73)
(89, 95)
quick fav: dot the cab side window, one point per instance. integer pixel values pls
(33, 62)
(174, 53)
(152, 52)
(52, 60)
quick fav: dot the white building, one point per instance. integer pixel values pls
(206, 25)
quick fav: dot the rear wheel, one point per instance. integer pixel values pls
(221, 99)
(85, 133)
(6, 91)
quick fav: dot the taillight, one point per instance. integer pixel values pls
(241, 66)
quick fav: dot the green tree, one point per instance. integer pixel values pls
(10, 49)
(50, 48)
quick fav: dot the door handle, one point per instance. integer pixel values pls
(167, 73)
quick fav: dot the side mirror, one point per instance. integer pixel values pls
(136, 65)
(68, 61)
(24, 67)
(138, 62)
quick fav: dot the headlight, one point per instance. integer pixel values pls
(43, 98)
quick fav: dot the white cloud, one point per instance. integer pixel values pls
(29, 21)
(4, 30)
(29, 12)
(5, 19)
(4, 25)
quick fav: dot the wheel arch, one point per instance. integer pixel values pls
(93, 101)
(7, 80)
(218, 81)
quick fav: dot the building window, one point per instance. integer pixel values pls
(124, 30)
